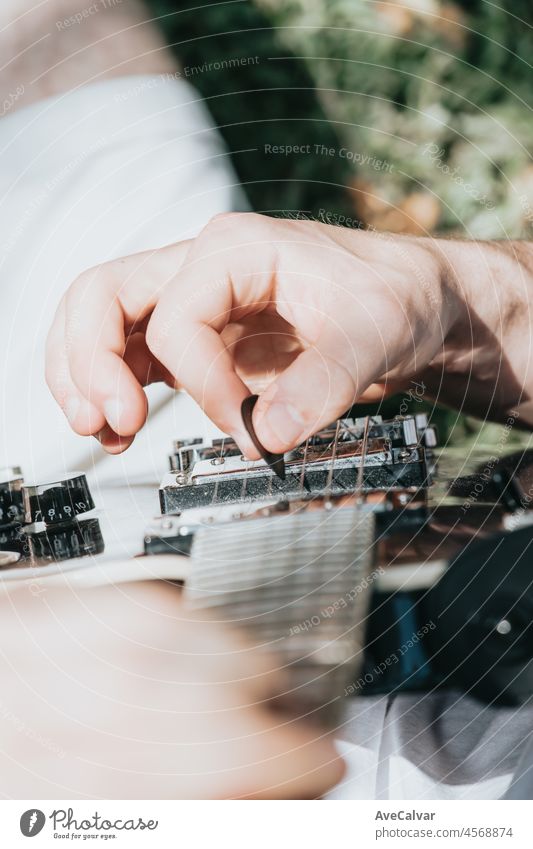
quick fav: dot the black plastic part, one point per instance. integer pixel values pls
(178, 544)
(275, 461)
(11, 501)
(508, 490)
(396, 657)
(401, 520)
(13, 538)
(59, 501)
(483, 611)
(70, 540)
(508, 480)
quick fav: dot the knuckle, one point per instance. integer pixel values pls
(227, 219)
(91, 281)
(217, 228)
(80, 284)
(238, 227)
(222, 218)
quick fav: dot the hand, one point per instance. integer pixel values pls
(119, 693)
(312, 316)
(97, 360)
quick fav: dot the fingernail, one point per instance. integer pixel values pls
(71, 408)
(113, 411)
(285, 423)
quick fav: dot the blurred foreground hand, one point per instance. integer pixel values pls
(112, 693)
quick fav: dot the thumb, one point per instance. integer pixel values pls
(311, 393)
(329, 376)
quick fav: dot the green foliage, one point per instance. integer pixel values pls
(269, 100)
(440, 90)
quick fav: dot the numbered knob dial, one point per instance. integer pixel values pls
(58, 501)
(63, 542)
(11, 501)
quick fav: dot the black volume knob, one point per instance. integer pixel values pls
(11, 501)
(58, 501)
(55, 532)
(62, 542)
(12, 538)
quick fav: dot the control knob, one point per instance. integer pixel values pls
(59, 501)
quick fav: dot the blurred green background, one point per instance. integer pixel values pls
(411, 117)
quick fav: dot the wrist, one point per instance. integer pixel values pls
(480, 279)
(488, 342)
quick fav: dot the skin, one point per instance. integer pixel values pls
(312, 316)
(120, 692)
(44, 54)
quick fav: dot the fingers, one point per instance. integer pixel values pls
(227, 275)
(93, 384)
(96, 362)
(198, 357)
(111, 442)
(96, 354)
(356, 347)
(319, 386)
(244, 265)
(83, 416)
(143, 366)
(309, 395)
(349, 323)
(222, 390)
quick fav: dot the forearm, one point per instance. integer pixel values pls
(48, 49)
(486, 363)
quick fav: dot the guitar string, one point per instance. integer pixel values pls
(304, 463)
(329, 480)
(359, 495)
